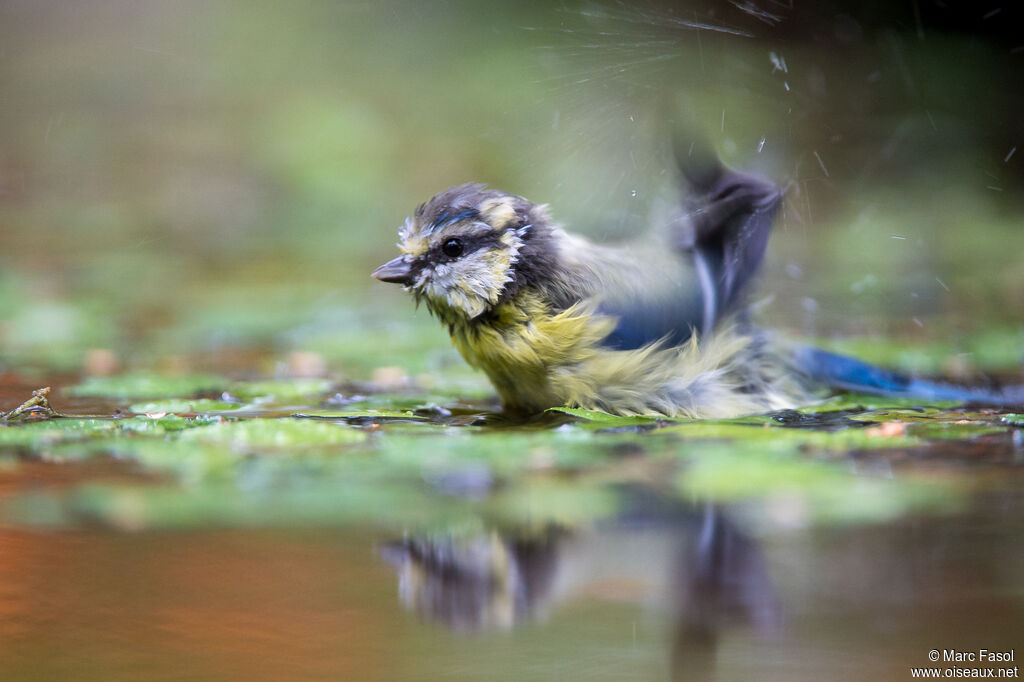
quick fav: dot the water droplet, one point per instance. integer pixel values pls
(778, 63)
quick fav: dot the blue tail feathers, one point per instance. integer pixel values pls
(849, 374)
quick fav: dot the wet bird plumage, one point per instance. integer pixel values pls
(554, 319)
(656, 326)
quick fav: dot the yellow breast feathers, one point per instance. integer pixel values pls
(537, 360)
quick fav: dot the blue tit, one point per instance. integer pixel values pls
(656, 326)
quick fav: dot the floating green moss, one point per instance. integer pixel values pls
(803, 491)
(276, 433)
(412, 461)
(860, 402)
(35, 436)
(179, 406)
(147, 386)
(603, 418)
(280, 391)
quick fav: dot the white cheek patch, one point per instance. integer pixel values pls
(475, 281)
(512, 241)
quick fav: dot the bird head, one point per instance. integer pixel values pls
(466, 250)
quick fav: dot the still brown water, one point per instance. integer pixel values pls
(683, 593)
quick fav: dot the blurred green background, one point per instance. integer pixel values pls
(206, 185)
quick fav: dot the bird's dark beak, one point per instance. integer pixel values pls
(396, 270)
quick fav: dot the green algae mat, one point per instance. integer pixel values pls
(140, 450)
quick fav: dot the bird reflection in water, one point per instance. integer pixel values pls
(696, 561)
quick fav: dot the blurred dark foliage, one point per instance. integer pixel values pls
(957, 64)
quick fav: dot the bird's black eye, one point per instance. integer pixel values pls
(452, 248)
